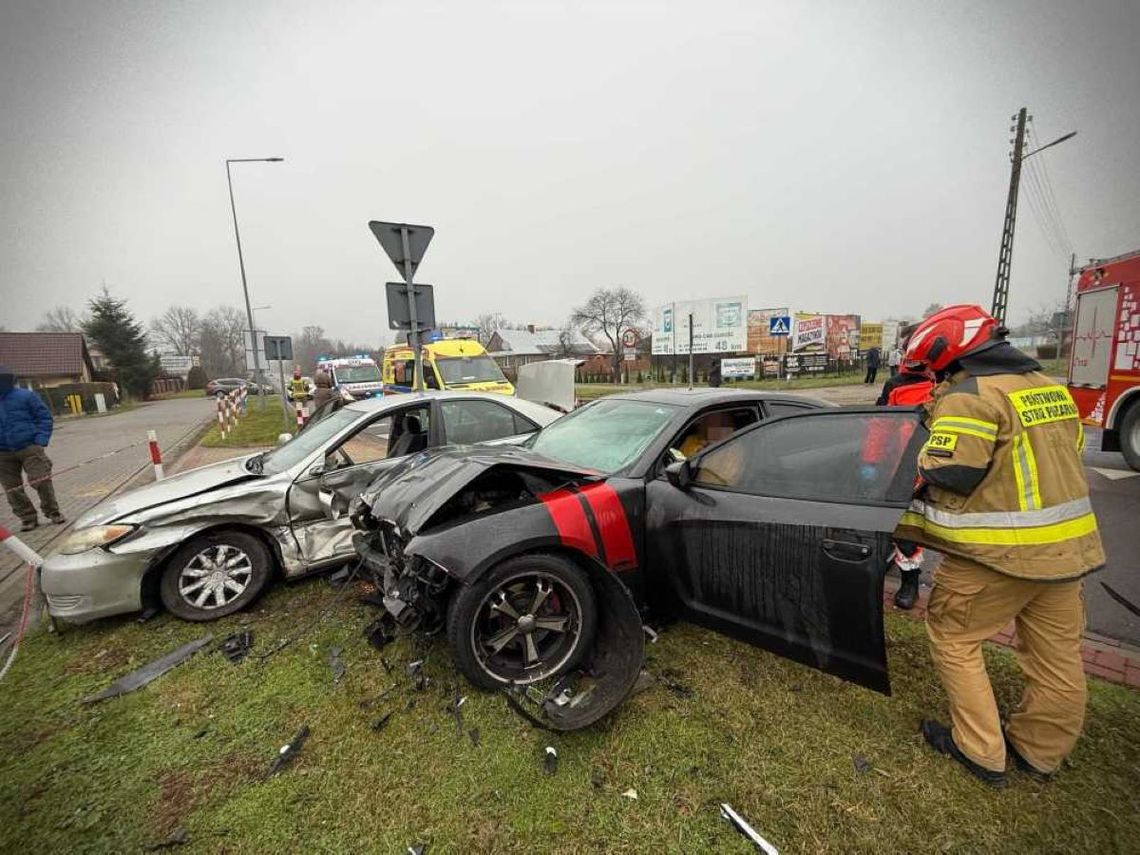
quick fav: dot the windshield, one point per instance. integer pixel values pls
(606, 435)
(357, 374)
(458, 370)
(313, 437)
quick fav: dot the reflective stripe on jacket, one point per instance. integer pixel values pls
(1005, 483)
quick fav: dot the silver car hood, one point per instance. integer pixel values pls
(180, 486)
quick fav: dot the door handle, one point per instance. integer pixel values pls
(846, 550)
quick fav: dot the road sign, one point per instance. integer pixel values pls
(399, 312)
(176, 364)
(630, 338)
(780, 325)
(279, 347)
(391, 239)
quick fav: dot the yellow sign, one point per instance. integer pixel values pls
(1043, 404)
(942, 441)
(870, 335)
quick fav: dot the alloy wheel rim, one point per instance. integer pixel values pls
(215, 577)
(526, 628)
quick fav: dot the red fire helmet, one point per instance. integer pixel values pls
(950, 334)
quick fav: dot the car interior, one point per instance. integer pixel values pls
(707, 428)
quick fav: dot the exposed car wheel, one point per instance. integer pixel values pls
(1130, 436)
(528, 619)
(214, 575)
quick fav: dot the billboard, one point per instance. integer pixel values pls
(720, 325)
(842, 336)
(176, 364)
(738, 367)
(808, 333)
(759, 339)
(834, 335)
(870, 335)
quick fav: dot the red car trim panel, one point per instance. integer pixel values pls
(570, 520)
(613, 525)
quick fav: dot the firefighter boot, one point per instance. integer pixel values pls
(907, 594)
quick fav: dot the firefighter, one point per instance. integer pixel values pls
(909, 386)
(298, 388)
(1003, 496)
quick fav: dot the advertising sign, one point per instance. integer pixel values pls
(172, 364)
(808, 334)
(719, 325)
(870, 335)
(842, 336)
(794, 363)
(738, 367)
(760, 337)
(771, 367)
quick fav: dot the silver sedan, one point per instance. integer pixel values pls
(207, 541)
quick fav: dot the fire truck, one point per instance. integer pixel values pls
(1104, 367)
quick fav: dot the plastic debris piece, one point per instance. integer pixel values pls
(650, 633)
(387, 665)
(631, 793)
(417, 849)
(645, 681)
(339, 577)
(473, 735)
(151, 671)
(862, 764)
(380, 634)
(741, 825)
(381, 722)
(237, 646)
(178, 837)
(453, 709)
(289, 751)
(551, 760)
(415, 670)
(146, 615)
(336, 665)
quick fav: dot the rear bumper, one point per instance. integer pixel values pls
(93, 584)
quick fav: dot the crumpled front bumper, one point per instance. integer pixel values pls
(93, 584)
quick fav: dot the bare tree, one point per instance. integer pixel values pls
(486, 324)
(177, 330)
(220, 342)
(60, 319)
(310, 344)
(610, 312)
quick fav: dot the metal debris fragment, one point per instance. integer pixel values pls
(741, 825)
(336, 665)
(237, 646)
(288, 751)
(339, 577)
(417, 849)
(551, 760)
(415, 670)
(151, 671)
(453, 709)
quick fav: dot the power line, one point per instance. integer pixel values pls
(1050, 195)
(1035, 194)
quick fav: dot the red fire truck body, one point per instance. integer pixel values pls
(1104, 368)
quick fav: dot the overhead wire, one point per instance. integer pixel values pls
(1037, 171)
(1051, 195)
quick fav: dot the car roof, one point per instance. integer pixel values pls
(372, 405)
(709, 396)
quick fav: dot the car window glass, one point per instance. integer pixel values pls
(606, 435)
(711, 427)
(826, 457)
(308, 441)
(368, 444)
(783, 408)
(430, 380)
(465, 422)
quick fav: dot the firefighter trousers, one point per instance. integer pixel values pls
(971, 603)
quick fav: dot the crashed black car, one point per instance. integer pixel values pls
(766, 517)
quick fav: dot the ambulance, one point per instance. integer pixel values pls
(357, 375)
(448, 363)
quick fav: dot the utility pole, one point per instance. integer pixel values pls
(1005, 255)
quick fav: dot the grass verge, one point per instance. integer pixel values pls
(258, 428)
(776, 740)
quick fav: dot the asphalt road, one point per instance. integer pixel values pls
(106, 452)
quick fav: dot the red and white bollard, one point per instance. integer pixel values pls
(33, 560)
(243, 393)
(222, 416)
(155, 454)
(302, 413)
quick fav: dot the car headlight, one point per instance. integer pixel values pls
(89, 538)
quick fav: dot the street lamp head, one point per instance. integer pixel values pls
(274, 159)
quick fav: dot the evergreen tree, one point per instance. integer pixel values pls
(114, 330)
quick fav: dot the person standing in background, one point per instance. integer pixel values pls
(25, 431)
(873, 357)
(894, 360)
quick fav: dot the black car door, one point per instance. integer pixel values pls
(780, 534)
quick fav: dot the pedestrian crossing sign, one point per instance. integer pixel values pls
(779, 325)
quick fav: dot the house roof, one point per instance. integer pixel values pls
(540, 342)
(44, 354)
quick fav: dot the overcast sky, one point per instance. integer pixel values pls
(829, 156)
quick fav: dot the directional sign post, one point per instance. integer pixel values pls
(406, 244)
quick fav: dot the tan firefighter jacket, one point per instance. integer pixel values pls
(1005, 484)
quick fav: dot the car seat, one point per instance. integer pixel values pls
(413, 439)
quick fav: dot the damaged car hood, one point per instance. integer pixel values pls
(189, 483)
(410, 493)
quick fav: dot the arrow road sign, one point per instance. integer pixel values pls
(779, 325)
(391, 240)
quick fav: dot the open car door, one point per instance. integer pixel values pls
(780, 534)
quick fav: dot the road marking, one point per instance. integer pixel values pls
(1115, 474)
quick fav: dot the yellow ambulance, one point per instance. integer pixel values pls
(449, 363)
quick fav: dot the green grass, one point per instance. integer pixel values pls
(258, 428)
(774, 739)
(185, 393)
(589, 391)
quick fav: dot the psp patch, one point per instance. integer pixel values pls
(941, 444)
(1043, 404)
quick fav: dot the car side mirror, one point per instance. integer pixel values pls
(317, 469)
(680, 475)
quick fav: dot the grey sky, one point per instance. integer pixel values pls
(828, 156)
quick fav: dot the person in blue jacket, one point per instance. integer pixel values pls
(25, 430)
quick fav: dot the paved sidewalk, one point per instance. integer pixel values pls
(1104, 657)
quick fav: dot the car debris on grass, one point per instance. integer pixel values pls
(289, 751)
(151, 671)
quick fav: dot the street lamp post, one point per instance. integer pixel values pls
(241, 262)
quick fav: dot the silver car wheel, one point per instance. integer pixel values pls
(215, 577)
